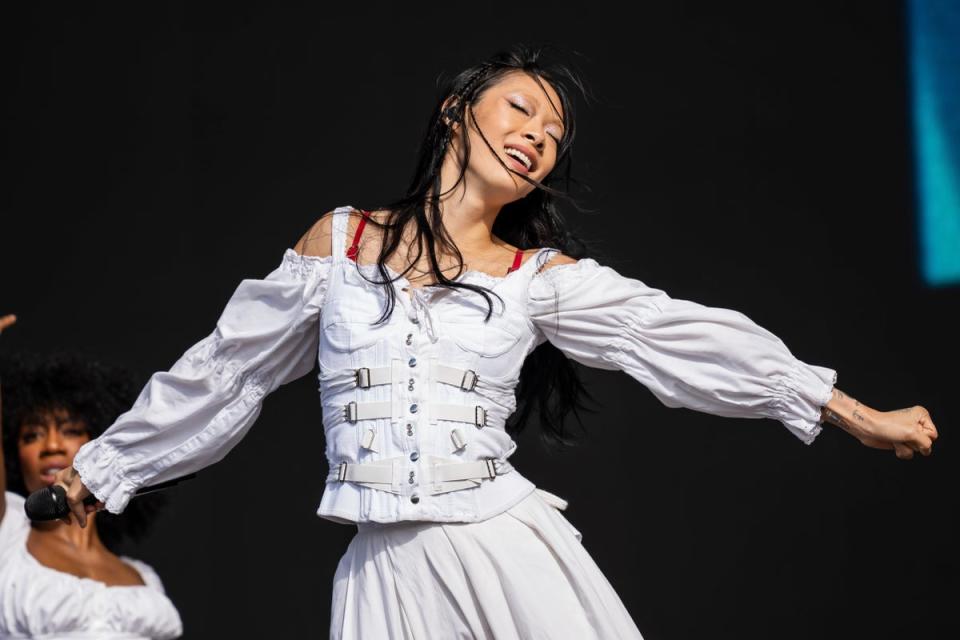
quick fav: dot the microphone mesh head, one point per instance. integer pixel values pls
(49, 503)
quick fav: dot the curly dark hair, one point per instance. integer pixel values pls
(549, 381)
(90, 391)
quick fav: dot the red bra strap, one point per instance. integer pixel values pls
(517, 259)
(353, 250)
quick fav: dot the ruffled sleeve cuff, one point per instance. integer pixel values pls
(800, 396)
(100, 469)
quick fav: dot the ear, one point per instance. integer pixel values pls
(448, 112)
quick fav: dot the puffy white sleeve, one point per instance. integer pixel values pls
(190, 416)
(709, 359)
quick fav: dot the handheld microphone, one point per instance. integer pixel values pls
(50, 503)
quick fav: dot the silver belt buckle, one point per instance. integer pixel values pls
(469, 380)
(342, 472)
(362, 376)
(350, 411)
(480, 416)
(491, 468)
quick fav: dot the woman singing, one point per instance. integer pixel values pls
(58, 579)
(439, 321)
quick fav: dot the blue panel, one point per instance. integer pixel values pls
(934, 34)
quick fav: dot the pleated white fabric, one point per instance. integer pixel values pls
(522, 574)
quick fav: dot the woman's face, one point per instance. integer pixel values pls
(47, 443)
(514, 113)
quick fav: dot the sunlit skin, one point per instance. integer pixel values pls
(515, 110)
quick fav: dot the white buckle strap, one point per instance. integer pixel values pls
(489, 468)
(376, 475)
(367, 377)
(368, 472)
(442, 476)
(353, 410)
(452, 476)
(466, 379)
(472, 413)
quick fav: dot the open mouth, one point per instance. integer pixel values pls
(47, 474)
(519, 159)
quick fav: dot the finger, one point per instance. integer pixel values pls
(903, 452)
(76, 508)
(75, 502)
(923, 444)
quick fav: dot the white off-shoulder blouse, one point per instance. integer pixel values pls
(433, 386)
(39, 602)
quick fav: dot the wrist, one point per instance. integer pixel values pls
(849, 414)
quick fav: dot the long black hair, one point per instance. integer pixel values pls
(90, 391)
(548, 381)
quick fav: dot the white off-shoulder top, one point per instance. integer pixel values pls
(39, 602)
(434, 384)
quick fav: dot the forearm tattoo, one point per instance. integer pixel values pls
(831, 416)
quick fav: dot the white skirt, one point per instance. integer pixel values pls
(522, 574)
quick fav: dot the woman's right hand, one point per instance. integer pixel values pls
(69, 479)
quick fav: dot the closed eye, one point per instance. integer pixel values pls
(518, 107)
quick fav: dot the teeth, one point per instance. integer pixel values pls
(52, 471)
(521, 156)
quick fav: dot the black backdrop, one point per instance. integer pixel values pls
(752, 158)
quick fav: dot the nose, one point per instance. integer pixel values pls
(535, 138)
(53, 443)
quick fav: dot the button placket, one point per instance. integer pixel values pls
(409, 400)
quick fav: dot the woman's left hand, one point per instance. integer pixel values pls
(904, 430)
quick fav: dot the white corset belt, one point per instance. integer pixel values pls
(437, 475)
(367, 377)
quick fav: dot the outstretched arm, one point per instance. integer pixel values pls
(709, 359)
(192, 415)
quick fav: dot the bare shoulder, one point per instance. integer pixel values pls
(316, 241)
